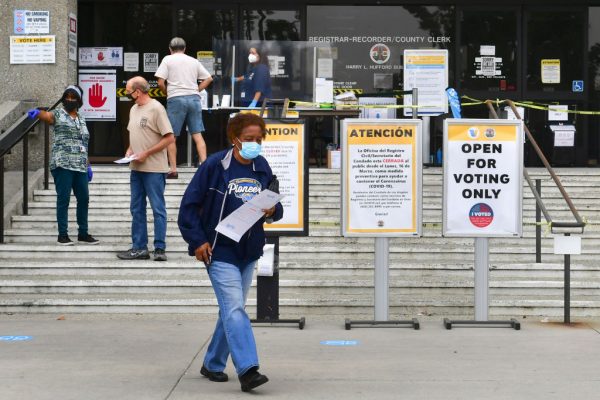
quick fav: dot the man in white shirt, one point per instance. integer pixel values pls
(178, 76)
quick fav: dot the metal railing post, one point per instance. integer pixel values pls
(567, 283)
(538, 226)
(46, 156)
(25, 174)
(2, 199)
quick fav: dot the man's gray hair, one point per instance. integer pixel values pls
(139, 83)
(177, 44)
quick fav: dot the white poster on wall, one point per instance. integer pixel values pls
(150, 62)
(100, 56)
(427, 70)
(483, 183)
(31, 22)
(33, 49)
(131, 62)
(283, 147)
(99, 94)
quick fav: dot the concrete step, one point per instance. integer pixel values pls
(293, 308)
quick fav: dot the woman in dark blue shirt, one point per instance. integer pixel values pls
(222, 184)
(256, 83)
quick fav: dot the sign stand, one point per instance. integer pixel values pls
(482, 291)
(487, 207)
(267, 295)
(382, 271)
(267, 287)
(382, 251)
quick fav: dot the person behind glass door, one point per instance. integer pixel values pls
(69, 162)
(178, 75)
(256, 83)
(222, 184)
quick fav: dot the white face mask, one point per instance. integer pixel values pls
(252, 58)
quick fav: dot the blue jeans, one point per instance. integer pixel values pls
(66, 180)
(152, 185)
(185, 110)
(233, 333)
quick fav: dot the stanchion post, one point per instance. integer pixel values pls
(25, 174)
(567, 283)
(538, 221)
(46, 156)
(189, 150)
(267, 289)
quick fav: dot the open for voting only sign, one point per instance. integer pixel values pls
(381, 177)
(284, 148)
(483, 178)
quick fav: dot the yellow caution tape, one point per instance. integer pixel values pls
(527, 104)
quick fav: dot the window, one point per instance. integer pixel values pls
(271, 25)
(368, 42)
(488, 50)
(555, 49)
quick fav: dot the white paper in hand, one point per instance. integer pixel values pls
(126, 160)
(238, 222)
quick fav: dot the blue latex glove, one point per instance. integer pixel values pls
(253, 104)
(33, 113)
(90, 173)
(233, 80)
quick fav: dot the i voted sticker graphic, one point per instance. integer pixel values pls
(481, 215)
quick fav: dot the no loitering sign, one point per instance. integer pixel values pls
(483, 170)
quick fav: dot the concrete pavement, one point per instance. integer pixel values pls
(159, 357)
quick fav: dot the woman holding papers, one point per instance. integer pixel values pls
(222, 184)
(69, 162)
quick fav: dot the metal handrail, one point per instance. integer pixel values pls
(553, 224)
(8, 140)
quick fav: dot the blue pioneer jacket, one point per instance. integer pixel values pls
(203, 203)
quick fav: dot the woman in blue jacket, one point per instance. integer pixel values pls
(256, 83)
(222, 184)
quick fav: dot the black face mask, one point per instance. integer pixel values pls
(130, 96)
(70, 105)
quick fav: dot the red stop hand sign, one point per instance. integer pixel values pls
(95, 96)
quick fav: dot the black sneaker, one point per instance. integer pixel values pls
(159, 255)
(132, 254)
(64, 240)
(87, 239)
(252, 379)
(214, 376)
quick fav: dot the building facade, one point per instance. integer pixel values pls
(546, 53)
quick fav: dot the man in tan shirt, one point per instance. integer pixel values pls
(150, 133)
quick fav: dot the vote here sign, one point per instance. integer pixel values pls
(483, 171)
(381, 177)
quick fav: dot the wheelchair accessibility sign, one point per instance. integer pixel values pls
(578, 86)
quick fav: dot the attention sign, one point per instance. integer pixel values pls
(381, 177)
(283, 147)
